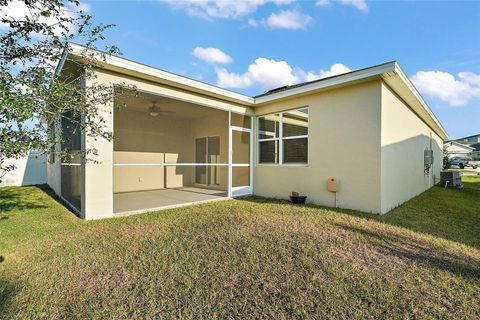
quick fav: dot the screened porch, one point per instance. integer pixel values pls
(169, 153)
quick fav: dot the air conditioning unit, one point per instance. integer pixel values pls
(451, 179)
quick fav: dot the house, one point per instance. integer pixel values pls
(181, 141)
(472, 142)
(476, 152)
(473, 139)
(454, 148)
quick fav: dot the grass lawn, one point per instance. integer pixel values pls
(249, 258)
(471, 182)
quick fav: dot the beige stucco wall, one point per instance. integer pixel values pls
(344, 143)
(404, 138)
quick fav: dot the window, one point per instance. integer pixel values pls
(283, 138)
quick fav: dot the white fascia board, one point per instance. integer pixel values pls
(461, 145)
(61, 63)
(327, 83)
(166, 77)
(414, 91)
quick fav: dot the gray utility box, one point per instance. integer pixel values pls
(428, 157)
(451, 179)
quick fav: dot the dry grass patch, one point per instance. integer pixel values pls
(249, 258)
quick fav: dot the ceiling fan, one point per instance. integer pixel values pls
(155, 110)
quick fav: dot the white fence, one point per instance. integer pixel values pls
(31, 169)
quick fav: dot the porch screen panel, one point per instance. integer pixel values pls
(240, 120)
(240, 147)
(71, 159)
(240, 176)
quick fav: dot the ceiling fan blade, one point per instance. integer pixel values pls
(167, 111)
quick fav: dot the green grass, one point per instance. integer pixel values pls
(249, 258)
(471, 182)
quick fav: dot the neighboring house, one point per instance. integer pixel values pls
(473, 139)
(471, 142)
(476, 151)
(29, 170)
(454, 148)
(181, 141)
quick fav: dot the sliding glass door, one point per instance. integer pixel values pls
(207, 150)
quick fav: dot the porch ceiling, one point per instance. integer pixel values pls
(182, 109)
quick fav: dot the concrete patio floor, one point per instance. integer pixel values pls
(127, 203)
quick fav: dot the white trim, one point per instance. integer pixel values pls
(418, 96)
(296, 137)
(241, 190)
(61, 63)
(280, 141)
(170, 164)
(71, 164)
(334, 81)
(461, 145)
(268, 139)
(230, 155)
(241, 128)
(164, 76)
(251, 153)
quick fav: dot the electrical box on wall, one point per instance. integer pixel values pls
(428, 157)
(333, 185)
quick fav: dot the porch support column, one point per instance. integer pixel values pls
(230, 155)
(97, 193)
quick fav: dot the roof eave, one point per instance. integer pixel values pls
(131, 68)
(334, 82)
(421, 102)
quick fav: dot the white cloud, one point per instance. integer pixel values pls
(253, 23)
(323, 3)
(359, 4)
(212, 55)
(268, 74)
(445, 86)
(226, 9)
(288, 19)
(335, 69)
(264, 73)
(17, 10)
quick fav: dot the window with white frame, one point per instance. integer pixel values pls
(283, 137)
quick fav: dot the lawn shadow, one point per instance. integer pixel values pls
(418, 223)
(19, 198)
(419, 251)
(24, 198)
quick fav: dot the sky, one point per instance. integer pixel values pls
(251, 46)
